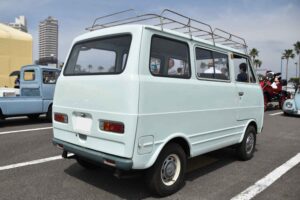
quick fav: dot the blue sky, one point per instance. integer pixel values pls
(269, 25)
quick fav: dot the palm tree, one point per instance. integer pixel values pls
(253, 53)
(257, 63)
(288, 53)
(297, 50)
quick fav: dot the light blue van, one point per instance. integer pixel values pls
(144, 97)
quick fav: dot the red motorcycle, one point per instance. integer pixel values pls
(272, 88)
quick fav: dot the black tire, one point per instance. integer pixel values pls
(246, 148)
(33, 116)
(86, 164)
(286, 114)
(154, 177)
(49, 114)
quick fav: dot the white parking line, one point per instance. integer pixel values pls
(277, 113)
(265, 182)
(25, 130)
(33, 162)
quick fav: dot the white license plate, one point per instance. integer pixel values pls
(82, 125)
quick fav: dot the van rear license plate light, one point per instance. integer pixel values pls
(111, 126)
(59, 117)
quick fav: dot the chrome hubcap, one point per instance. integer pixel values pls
(170, 169)
(249, 143)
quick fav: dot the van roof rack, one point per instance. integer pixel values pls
(172, 20)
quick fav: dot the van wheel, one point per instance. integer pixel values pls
(166, 176)
(246, 148)
(33, 116)
(49, 114)
(85, 164)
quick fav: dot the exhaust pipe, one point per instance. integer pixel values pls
(66, 156)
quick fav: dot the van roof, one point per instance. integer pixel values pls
(125, 28)
(176, 24)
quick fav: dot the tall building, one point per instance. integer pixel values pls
(48, 41)
(20, 24)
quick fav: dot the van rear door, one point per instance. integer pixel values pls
(98, 94)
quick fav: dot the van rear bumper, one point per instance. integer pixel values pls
(96, 156)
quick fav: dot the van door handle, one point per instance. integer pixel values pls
(241, 94)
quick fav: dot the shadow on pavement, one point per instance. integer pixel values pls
(10, 122)
(217, 159)
(135, 188)
(102, 178)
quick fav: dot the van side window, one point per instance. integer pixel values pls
(155, 65)
(124, 60)
(212, 65)
(251, 74)
(29, 75)
(241, 69)
(169, 58)
(221, 64)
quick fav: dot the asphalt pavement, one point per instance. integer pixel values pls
(31, 168)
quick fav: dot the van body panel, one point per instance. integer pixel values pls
(251, 103)
(204, 111)
(207, 114)
(101, 97)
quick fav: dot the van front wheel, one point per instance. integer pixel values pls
(166, 176)
(246, 148)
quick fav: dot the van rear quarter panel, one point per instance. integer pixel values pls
(204, 113)
(104, 97)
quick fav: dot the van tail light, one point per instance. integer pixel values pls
(111, 126)
(59, 117)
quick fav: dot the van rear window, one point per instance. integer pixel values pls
(99, 56)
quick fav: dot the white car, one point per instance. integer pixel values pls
(292, 106)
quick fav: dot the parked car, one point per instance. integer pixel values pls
(292, 106)
(37, 84)
(142, 97)
(290, 88)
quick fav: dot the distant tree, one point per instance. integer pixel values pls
(287, 54)
(90, 67)
(100, 68)
(297, 50)
(257, 63)
(253, 53)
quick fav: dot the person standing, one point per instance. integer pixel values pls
(17, 82)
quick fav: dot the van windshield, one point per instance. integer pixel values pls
(99, 56)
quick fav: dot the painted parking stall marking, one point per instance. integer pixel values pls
(25, 130)
(33, 162)
(266, 181)
(277, 113)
